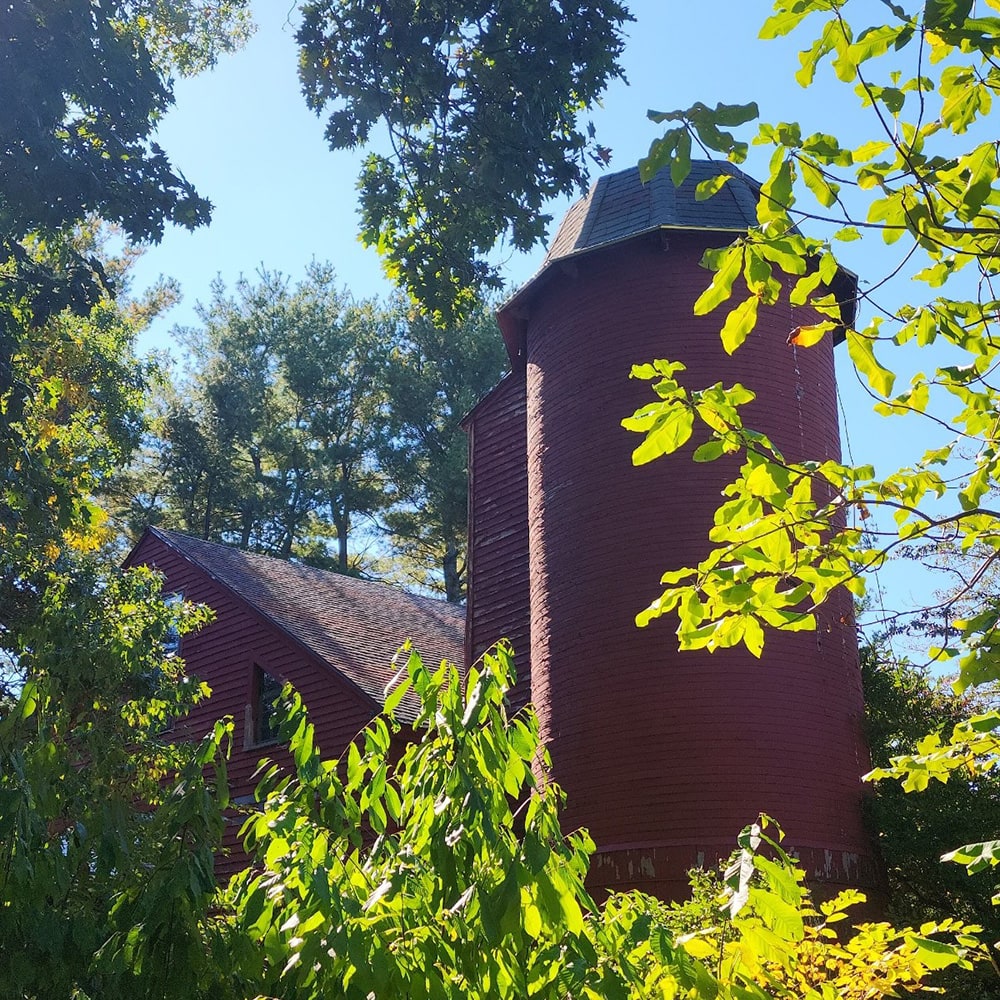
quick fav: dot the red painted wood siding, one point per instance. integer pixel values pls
(499, 600)
(666, 756)
(224, 655)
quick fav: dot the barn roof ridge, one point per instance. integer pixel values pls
(345, 622)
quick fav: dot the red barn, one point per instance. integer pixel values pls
(332, 636)
(664, 756)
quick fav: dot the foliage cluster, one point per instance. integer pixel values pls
(480, 103)
(903, 704)
(438, 870)
(927, 186)
(84, 86)
(107, 830)
(307, 421)
(465, 885)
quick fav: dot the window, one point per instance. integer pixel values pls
(172, 638)
(267, 687)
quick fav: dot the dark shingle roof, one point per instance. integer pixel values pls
(619, 206)
(353, 625)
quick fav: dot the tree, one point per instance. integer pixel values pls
(902, 705)
(107, 832)
(942, 205)
(435, 375)
(269, 441)
(305, 414)
(480, 102)
(85, 85)
(336, 368)
(77, 416)
(240, 420)
(107, 829)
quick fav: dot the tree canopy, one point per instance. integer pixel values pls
(480, 102)
(435, 375)
(85, 85)
(903, 703)
(311, 425)
(107, 831)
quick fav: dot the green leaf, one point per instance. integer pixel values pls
(670, 431)
(712, 186)
(680, 163)
(396, 689)
(708, 452)
(976, 857)
(776, 192)
(722, 282)
(753, 635)
(780, 916)
(661, 152)
(822, 46)
(731, 115)
(862, 353)
(784, 22)
(532, 921)
(935, 954)
(824, 190)
(946, 13)
(739, 323)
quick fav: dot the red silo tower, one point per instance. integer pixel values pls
(664, 756)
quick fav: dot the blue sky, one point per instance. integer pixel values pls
(244, 136)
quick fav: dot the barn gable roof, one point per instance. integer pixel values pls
(352, 625)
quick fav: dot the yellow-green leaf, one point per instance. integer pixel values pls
(739, 323)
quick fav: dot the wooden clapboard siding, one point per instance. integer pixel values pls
(499, 599)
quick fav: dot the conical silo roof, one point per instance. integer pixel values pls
(621, 206)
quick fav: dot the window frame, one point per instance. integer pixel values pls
(173, 638)
(258, 713)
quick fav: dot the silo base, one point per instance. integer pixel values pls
(661, 870)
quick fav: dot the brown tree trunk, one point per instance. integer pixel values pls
(453, 589)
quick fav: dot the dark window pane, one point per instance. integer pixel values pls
(268, 689)
(172, 639)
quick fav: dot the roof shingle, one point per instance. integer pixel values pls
(620, 206)
(353, 625)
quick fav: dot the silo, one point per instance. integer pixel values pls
(665, 756)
